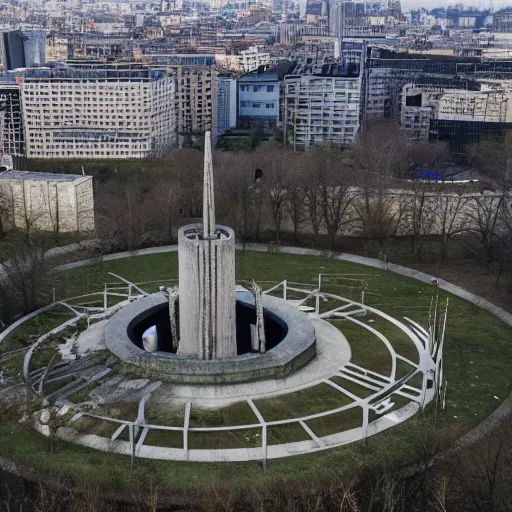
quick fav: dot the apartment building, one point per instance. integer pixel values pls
(98, 113)
(322, 108)
(11, 126)
(196, 94)
(196, 91)
(252, 59)
(502, 22)
(259, 96)
(457, 116)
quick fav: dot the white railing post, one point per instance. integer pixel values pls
(366, 410)
(105, 300)
(132, 445)
(264, 445)
(186, 422)
(285, 289)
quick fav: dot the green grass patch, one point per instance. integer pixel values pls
(243, 438)
(28, 332)
(83, 394)
(121, 411)
(352, 387)
(308, 401)
(95, 426)
(167, 415)
(239, 413)
(367, 349)
(164, 438)
(477, 359)
(337, 422)
(287, 433)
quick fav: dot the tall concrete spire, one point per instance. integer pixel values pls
(208, 198)
(207, 280)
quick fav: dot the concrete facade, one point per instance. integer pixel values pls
(98, 113)
(206, 255)
(49, 202)
(226, 104)
(321, 109)
(207, 293)
(295, 350)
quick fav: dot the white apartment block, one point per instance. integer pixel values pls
(98, 113)
(321, 109)
(252, 58)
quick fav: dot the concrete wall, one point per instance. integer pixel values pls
(207, 296)
(48, 205)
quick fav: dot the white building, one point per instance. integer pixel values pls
(321, 109)
(252, 58)
(100, 113)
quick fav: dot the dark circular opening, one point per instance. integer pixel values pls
(275, 328)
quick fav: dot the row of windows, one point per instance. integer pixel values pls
(256, 104)
(257, 88)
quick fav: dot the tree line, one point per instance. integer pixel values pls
(320, 197)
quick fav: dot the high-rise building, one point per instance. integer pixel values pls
(98, 113)
(22, 48)
(322, 108)
(226, 104)
(394, 11)
(502, 22)
(348, 19)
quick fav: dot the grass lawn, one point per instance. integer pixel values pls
(308, 401)
(477, 355)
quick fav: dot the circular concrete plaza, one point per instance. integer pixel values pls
(377, 361)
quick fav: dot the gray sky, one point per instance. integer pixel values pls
(430, 4)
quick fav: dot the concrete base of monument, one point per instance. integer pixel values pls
(332, 354)
(296, 346)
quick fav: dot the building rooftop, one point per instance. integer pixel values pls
(39, 176)
(278, 72)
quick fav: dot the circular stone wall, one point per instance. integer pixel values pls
(296, 349)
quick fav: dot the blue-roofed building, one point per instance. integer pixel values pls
(258, 96)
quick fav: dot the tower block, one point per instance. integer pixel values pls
(207, 304)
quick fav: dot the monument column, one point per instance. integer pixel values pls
(207, 304)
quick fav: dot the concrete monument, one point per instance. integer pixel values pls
(206, 254)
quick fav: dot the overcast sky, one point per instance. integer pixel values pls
(430, 4)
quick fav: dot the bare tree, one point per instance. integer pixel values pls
(7, 208)
(378, 158)
(337, 196)
(451, 218)
(313, 198)
(485, 213)
(25, 271)
(296, 200)
(238, 193)
(275, 165)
